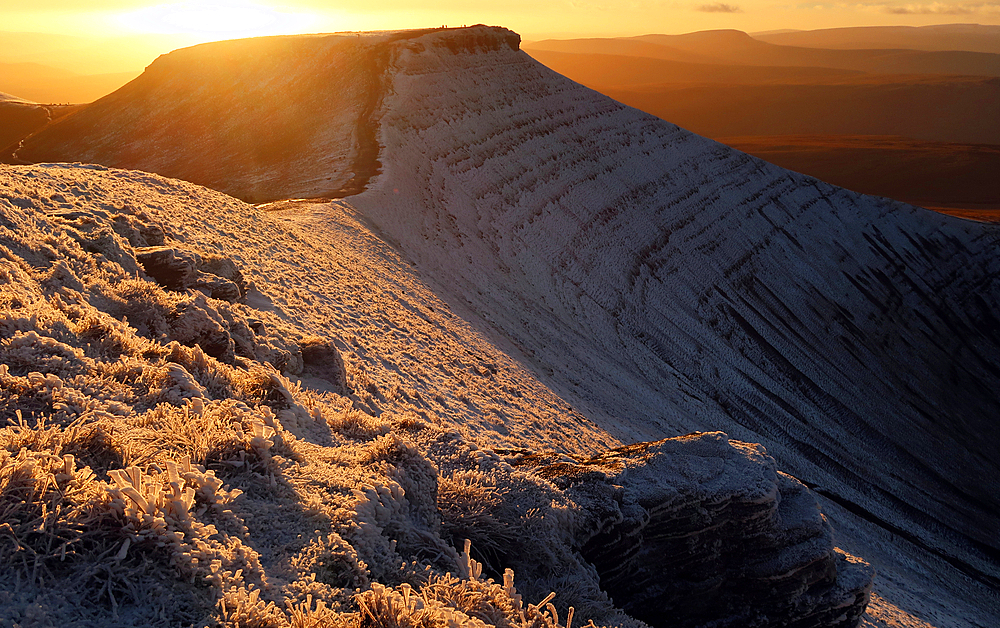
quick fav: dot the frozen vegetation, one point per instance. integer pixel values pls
(164, 463)
(298, 415)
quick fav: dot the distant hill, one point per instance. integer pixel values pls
(967, 37)
(45, 84)
(87, 54)
(739, 48)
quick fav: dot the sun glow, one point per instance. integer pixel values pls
(215, 20)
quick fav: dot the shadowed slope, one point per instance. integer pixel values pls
(18, 118)
(669, 283)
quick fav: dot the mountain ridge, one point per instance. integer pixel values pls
(665, 283)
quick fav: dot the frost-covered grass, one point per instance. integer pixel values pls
(145, 481)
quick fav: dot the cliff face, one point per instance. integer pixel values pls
(667, 284)
(701, 531)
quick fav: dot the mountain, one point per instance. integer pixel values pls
(601, 240)
(47, 84)
(654, 281)
(967, 37)
(195, 126)
(18, 118)
(739, 48)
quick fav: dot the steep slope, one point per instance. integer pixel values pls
(162, 463)
(658, 282)
(285, 125)
(668, 283)
(18, 118)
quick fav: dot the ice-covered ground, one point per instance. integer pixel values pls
(294, 442)
(576, 260)
(665, 283)
(102, 369)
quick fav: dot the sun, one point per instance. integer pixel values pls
(220, 19)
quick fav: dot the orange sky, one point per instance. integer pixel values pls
(534, 19)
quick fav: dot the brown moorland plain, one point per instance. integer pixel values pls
(944, 109)
(949, 177)
(887, 122)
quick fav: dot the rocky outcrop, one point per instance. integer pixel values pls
(321, 359)
(704, 531)
(177, 269)
(338, 505)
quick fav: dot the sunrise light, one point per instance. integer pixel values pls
(215, 20)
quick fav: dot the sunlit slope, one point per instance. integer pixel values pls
(667, 283)
(259, 119)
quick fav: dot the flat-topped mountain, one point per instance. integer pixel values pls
(657, 281)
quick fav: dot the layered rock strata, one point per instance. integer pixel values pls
(704, 531)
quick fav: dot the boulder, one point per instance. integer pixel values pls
(216, 287)
(172, 268)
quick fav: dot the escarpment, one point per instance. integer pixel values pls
(702, 531)
(261, 119)
(671, 284)
(550, 270)
(153, 422)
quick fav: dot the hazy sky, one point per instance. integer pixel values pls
(214, 19)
